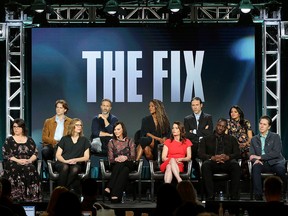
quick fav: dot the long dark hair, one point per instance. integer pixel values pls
(182, 131)
(241, 113)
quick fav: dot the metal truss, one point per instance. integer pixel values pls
(143, 13)
(271, 49)
(14, 35)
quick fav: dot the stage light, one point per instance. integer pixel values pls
(284, 29)
(273, 5)
(39, 6)
(13, 6)
(111, 7)
(245, 19)
(2, 31)
(245, 6)
(175, 5)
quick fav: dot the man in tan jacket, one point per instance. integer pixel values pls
(53, 130)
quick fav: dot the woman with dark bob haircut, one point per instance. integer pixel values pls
(121, 156)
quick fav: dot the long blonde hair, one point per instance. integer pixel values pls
(161, 116)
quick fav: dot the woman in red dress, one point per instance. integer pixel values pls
(176, 151)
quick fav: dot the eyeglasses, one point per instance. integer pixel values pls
(16, 126)
(78, 125)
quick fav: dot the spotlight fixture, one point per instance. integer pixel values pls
(39, 6)
(273, 5)
(175, 5)
(2, 31)
(245, 6)
(111, 7)
(13, 6)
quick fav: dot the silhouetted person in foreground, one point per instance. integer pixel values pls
(273, 195)
(168, 200)
(5, 198)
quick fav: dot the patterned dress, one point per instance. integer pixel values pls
(241, 134)
(24, 179)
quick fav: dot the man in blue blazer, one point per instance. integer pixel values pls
(266, 156)
(197, 125)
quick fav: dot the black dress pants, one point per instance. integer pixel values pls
(119, 177)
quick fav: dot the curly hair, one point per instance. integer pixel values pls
(161, 116)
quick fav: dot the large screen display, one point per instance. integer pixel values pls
(132, 65)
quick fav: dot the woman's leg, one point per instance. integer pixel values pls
(63, 170)
(168, 174)
(175, 169)
(73, 181)
(139, 152)
(148, 153)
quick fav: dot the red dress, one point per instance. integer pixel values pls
(175, 150)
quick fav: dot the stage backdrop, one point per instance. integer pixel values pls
(132, 65)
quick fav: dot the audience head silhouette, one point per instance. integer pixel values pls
(168, 199)
(54, 199)
(273, 188)
(68, 204)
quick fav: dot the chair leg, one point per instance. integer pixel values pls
(202, 189)
(103, 188)
(51, 187)
(227, 188)
(152, 190)
(251, 189)
(139, 189)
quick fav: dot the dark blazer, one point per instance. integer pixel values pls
(207, 147)
(191, 124)
(148, 126)
(272, 148)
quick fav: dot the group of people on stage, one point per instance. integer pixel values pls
(219, 148)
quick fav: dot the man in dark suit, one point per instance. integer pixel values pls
(219, 153)
(266, 155)
(197, 125)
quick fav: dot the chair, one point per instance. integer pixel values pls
(216, 177)
(134, 175)
(54, 175)
(156, 174)
(263, 176)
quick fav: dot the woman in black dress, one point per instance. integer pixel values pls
(19, 154)
(72, 153)
(155, 129)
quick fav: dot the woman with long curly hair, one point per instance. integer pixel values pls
(155, 129)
